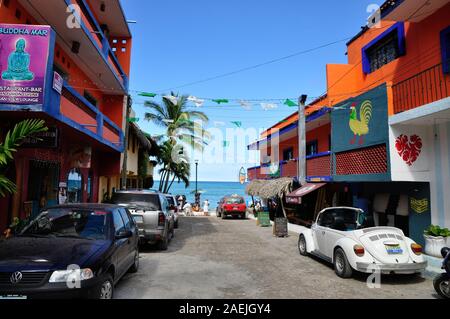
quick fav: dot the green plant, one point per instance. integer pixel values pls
(436, 231)
(9, 146)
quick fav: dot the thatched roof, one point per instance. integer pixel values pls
(270, 188)
(253, 187)
(145, 142)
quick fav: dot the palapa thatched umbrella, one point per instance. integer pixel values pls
(253, 187)
(271, 188)
(276, 188)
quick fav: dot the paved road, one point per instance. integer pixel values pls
(212, 258)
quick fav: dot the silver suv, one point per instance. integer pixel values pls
(152, 214)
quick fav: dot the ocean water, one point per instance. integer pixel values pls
(212, 191)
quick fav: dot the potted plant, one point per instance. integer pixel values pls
(436, 238)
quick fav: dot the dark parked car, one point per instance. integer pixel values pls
(70, 251)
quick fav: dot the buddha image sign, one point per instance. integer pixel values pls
(24, 53)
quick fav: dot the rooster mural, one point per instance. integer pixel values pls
(360, 127)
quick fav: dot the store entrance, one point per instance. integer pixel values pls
(43, 182)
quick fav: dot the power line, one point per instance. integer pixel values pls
(254, 66)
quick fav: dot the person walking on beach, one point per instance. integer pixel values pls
(206, 208)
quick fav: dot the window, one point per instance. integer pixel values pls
(148, 201)
(118, 222)
(445, 47)
(74, 186)
(326, 219)
(90, 98)
(383, 53)
(90, 187)
(288, 154)
(312, 148)
(125, 218)
(6, 3)
(386, 48)
(18, 14)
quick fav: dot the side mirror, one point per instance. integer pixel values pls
(124, 234)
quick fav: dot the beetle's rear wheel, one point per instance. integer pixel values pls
(341, 264)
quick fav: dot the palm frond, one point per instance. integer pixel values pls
(6, 186)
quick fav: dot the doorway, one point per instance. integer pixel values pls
(43, 179)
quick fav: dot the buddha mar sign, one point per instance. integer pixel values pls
(24, 54)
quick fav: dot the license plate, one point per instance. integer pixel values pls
(236, 208)
(138, 219)
(13, 297)
(394, 250)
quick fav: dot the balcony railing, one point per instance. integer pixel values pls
(80, 113)
(423, 88)
(318, 167)
(95, 32)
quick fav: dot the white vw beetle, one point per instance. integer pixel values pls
(344, 237)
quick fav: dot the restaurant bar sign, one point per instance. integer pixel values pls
(24, 55)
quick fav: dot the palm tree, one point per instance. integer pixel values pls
(175, 165)
(13, 140)
(182, 128)
(179, 121)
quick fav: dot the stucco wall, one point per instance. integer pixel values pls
(432, 164)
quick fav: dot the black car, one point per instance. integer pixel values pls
(70, 251)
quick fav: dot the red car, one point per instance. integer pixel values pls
(233, 205)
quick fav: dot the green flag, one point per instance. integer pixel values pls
(290, 103)
(132, 119)
(220, 101)
(226, 143)
(147, 94)
(237, 123)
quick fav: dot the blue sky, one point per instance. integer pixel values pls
(177, 42)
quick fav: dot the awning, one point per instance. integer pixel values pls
(296, 196)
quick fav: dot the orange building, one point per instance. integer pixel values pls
(68, 63)
(388, 115)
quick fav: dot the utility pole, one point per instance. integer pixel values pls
(197, 201)
(302, 140)
(123, 185)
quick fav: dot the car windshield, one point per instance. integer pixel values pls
(342, 219)
(69, 223)
(170, 200)
(234, 200)
(138, 201)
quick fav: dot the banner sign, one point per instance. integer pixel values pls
(58, 82)
(361, 122)
(24, 54)
(47, 139)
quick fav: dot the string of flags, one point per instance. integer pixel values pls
(265, 104)
(245, 104)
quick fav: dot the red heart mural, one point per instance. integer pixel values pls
(409, 148)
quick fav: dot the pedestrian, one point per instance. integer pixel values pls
(206, 208)
(258, 206)
(187, 209)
